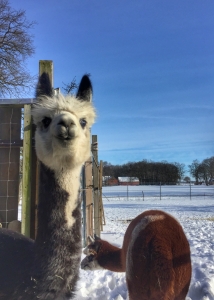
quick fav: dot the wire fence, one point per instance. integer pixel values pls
(157, 191)
(10, 119)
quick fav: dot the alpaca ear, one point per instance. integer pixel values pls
(85, 89)
(96, 238)
(97, 245)
(90, 239)
(44, 86)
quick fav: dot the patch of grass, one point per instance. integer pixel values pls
(124, 221)
(210, 219)
(204, 219)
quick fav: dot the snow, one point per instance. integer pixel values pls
(197, 218)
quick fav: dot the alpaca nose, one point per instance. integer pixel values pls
(65, 128)
(66, 123)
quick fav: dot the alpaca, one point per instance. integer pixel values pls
(155, 256)
(48, 267)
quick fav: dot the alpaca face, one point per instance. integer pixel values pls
(90, 262)
(63, 130)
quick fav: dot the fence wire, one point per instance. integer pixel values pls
(8, 169)
(157, 191)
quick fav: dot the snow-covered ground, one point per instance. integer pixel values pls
(195, 215)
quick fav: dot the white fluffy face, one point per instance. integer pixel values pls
(63, 131)
(90, 263)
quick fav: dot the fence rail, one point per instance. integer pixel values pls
(159, 191)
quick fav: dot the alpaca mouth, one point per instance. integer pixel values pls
(65, 138)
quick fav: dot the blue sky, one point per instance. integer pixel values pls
(152, 68)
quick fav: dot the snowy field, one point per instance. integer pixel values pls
(195, 215)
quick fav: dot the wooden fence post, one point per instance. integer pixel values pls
(89, 197)
(96, 186)
(26, 181)
(47, 67)
(84, 235)
(101, 209)
(44, 66)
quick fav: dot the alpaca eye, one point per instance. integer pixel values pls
(91, 257)
(46, 122)
(83, 123)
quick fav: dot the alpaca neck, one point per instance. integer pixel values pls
(58, 241)
(58, 197)
(69, 181)
(111, 258)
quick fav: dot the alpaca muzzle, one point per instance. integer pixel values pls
(87, 262)
(65, 133)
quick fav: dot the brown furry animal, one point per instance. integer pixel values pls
(155, 256)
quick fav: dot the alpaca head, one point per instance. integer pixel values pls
(63, 125)
(90, 262)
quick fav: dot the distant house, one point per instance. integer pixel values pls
(128, 181)
(109, 181)
(211, 182)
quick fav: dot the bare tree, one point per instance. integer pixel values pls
(181, 169)
(16, 45)
(187, 179)
(70, 87)
(195, 170)
(207, 167)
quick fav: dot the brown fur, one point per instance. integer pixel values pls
(155, 256)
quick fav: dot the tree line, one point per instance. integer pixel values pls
(149, 172)
(202, 171)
